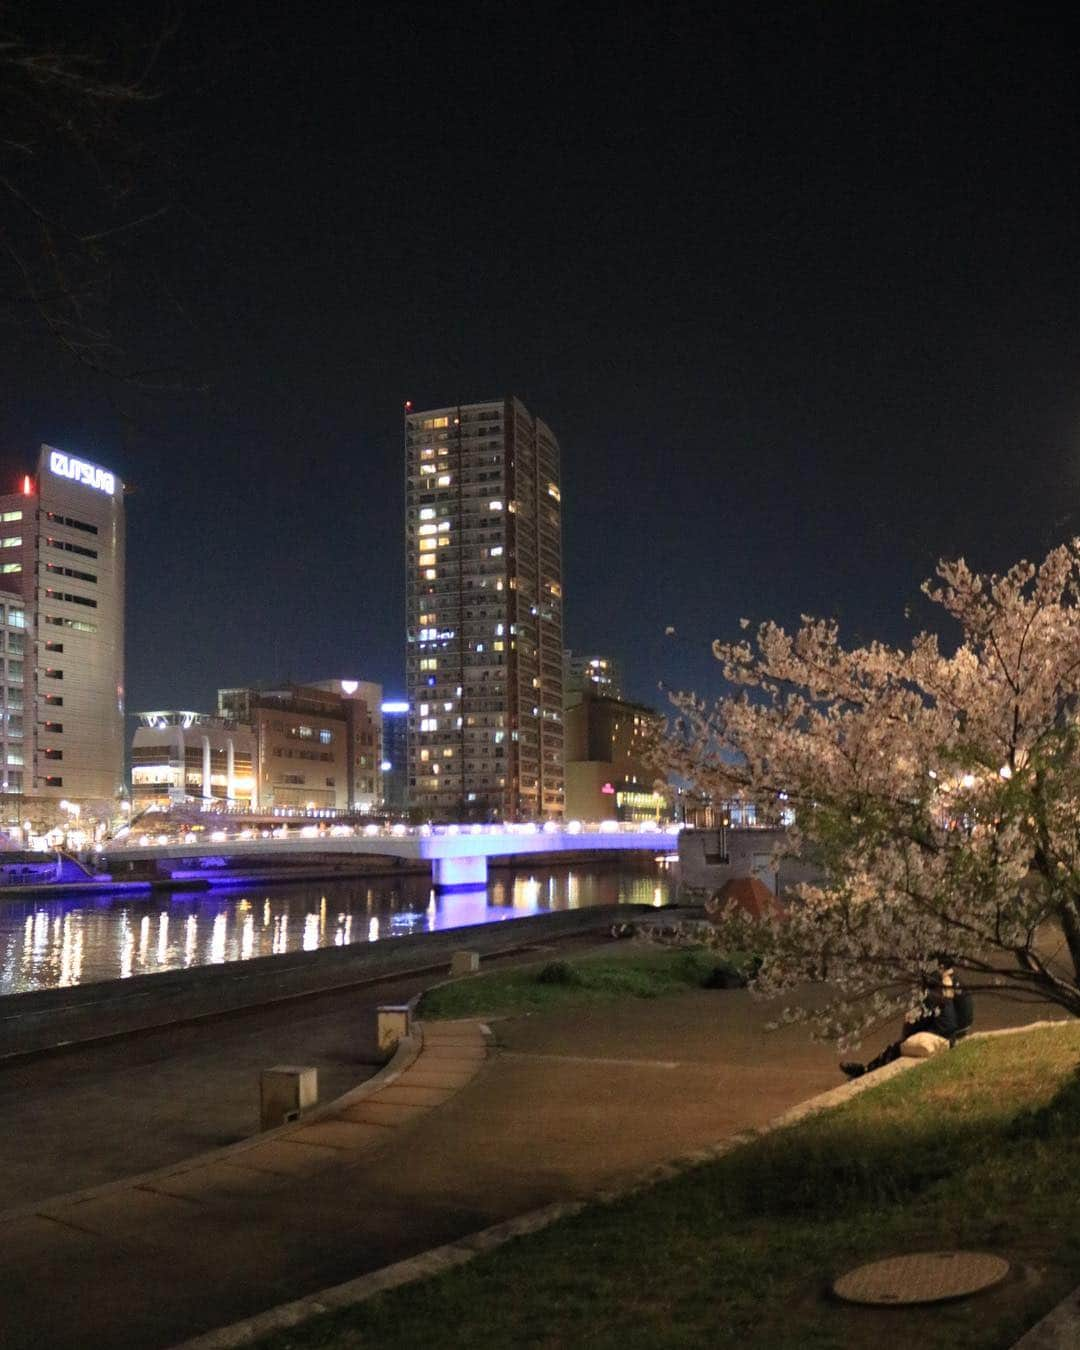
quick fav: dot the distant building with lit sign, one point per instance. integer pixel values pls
(62, 545)
(608, 773)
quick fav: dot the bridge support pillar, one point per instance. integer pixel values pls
(459, 874)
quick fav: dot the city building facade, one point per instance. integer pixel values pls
(62, 552)
(395, 756)
(484, 613)
(599, 673)
(180, 755)
(314, 747)
(609, 775)
(17, 719)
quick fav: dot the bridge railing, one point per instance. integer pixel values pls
(295, 830)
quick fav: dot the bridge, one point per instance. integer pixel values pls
(458, 854)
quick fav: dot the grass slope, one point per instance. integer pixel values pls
(630, 971)
(977, 1149)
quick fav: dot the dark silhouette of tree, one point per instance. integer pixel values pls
(76, 182)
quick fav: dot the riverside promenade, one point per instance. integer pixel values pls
(467, 1135)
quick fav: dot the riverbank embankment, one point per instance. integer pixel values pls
(51, 1019)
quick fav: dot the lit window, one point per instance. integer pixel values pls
(427, 545)
(448, 753)
(11, 567)
(497, 646)
(427, 468)
(496, 552)
(444, 540)
(448, 707)
(443, 480)
(429, 663)
(429, 529)
(555, 588)
(425, 755)
(326, 737)
(427, 513)
(12, 541)
(439, 422)
(9, 516)
(427, 453)
(444, 524)
(553, 491)
(495, 505)
(427, 618)
(499, 630)
(429, 724)
(429, 573)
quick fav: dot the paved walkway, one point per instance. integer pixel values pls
(461, 1140)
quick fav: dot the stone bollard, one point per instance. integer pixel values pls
(394, 1022)
(464, 963)
(285, 1091)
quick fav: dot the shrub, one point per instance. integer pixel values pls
(559, 972)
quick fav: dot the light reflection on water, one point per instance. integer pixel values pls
(44, 944)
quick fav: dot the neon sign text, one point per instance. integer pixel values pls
(67, 466)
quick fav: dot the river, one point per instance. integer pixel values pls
(46, 944)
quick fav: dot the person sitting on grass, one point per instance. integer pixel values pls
(947, 1011)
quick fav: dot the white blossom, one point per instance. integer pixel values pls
(938, 792)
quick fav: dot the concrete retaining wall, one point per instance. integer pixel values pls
(705, 865)
(42, 1019)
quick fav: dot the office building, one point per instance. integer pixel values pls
(179, 756)
(62, 556)
(484, 601)
(599, 673)
(365, 744)
(609, 772)
(395, 756)
(16, 747)
(315, 748)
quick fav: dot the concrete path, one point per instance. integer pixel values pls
(570, 1103)
(103, 1112)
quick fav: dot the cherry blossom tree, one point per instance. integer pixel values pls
(938, 792)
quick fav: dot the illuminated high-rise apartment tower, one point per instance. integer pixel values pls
(485, 657)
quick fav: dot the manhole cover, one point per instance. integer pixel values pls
(924, 1277)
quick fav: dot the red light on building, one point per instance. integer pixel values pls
(408, 405)
(27, 485)
(608, 789)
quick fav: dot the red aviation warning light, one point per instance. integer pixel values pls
(408, 405)
(27, 485)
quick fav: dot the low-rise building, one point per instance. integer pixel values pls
(178, 755)
(315, 747)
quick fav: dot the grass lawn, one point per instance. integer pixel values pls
(630, 970)
(979, 1148)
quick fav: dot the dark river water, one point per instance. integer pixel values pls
(46, 943)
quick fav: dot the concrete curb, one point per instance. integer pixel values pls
(434, 1261)
(1058, 1330)
(286, 1316)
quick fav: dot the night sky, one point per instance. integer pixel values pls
(796, 287)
